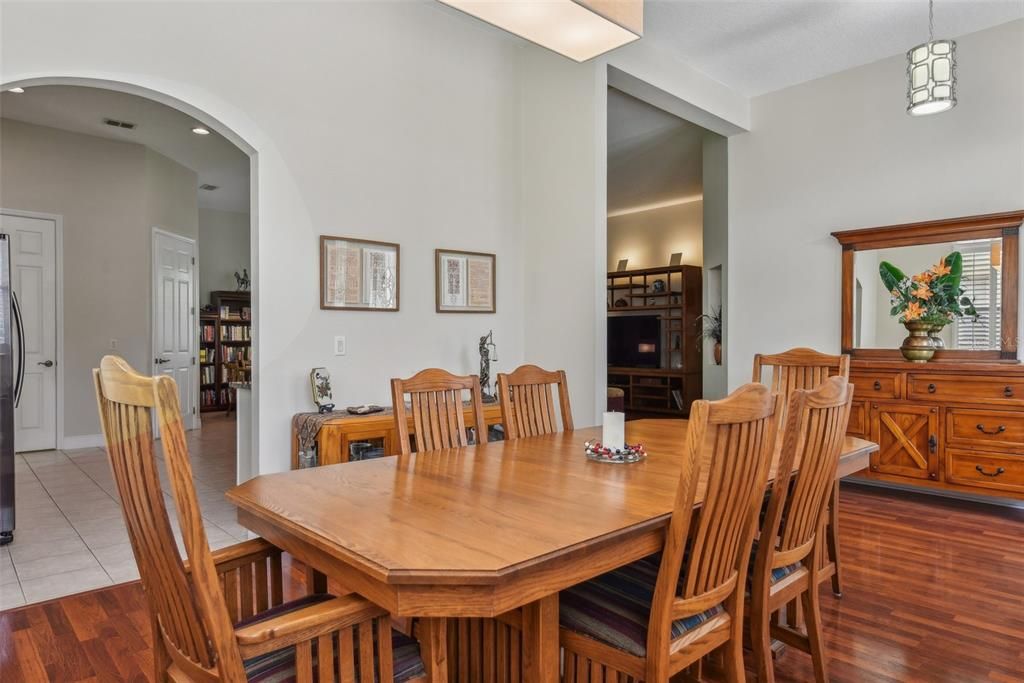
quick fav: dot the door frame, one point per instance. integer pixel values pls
(58, 221)
(193, 421)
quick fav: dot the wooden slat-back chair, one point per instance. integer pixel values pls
(527, 408)
(701, 574)
(437, 410)
(196, 605)
(787, 563)
(802, 368)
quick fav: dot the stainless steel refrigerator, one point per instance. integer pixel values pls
(12, 372)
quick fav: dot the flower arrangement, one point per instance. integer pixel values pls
(934, 297)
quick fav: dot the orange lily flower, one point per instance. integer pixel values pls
(922, 292)
(941, 268)
(924, 277)
(914, 311)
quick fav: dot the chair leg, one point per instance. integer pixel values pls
(761, 640)
(832, 538)
(733, 652)
(815, 635)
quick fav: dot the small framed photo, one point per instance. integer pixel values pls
(464, 281)
(358, 275)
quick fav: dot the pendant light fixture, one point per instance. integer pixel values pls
(577, 29)
(931, 73)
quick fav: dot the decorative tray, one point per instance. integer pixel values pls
(598, 452)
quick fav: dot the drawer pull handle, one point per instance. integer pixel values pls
(999, 470)
(998, 430)
(933, 443)
(878, 385)
(931, 388)
(1008, 392)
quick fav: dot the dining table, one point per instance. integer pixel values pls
(483, 531)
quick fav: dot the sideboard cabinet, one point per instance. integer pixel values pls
(949, 425)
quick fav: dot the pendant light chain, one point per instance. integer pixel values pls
(931, 20)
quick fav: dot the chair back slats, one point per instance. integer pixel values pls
(728, 452)
(799, 368)
(437, 410)
(188, 606)
(527, 402)
(815, 428)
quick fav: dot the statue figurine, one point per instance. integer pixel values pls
(242, 281)
(488, 353)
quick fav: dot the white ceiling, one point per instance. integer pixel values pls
(653, 156)
(760, 46)
(159, 127)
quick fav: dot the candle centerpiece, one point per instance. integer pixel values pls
(613, 447)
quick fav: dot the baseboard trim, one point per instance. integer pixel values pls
(941, 493)
(72, 443)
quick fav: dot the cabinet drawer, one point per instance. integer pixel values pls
(858, 425)
(869, 386)
(985, 470)
(966, 389)
(991, 429)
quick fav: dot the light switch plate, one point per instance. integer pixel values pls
(339, 346)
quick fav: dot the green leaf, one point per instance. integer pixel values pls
(891, 275)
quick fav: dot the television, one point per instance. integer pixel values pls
(634, 341)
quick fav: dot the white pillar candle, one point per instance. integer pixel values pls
(614, 435)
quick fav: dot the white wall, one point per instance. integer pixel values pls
(840, 153)
(111, 195)
(649, 238)
(223, 250)
(715, 160)
(393, 121)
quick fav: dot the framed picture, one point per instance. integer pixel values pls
(464, 281)
(358, 275)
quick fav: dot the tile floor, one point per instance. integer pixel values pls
(70, 536)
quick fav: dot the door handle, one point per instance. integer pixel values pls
(19, 379)
(46, 363)
(161, 361)
(933, 443)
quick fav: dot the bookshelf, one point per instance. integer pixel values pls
(673, 293)
(225, 336)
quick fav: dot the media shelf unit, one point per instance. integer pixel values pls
(222, 340)
(669, 390)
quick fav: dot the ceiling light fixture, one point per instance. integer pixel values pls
(17, 90)
(931, 73)
(199, 130)
(577, 29)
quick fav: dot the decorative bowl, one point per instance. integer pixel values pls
(598, 452)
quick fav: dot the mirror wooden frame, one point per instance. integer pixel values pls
(1003, 225)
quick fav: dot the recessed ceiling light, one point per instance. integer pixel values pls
(199, 130)
(17, 90)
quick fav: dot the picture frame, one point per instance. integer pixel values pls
(465, 281)
(359, 274)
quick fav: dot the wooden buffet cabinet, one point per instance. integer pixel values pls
(945, 424)
(955, 423)
(340, 437)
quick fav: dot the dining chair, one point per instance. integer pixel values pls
(803, 368)
(787, 554)
(527, 408)
(655, 617)
(438, 411)
(220, 615)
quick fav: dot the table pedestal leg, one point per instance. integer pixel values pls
(434, 644)
(540, 641)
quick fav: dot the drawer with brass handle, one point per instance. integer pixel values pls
(985, 470)
(1007, 391)
(869, 386)
(985, 429)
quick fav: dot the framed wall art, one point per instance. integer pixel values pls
(358, 275)
(464, 281)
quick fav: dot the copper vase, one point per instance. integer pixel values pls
(919, 347)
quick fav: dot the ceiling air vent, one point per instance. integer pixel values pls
(119, 124)
(208, 187)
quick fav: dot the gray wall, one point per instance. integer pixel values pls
(110, 194)
(223, 249)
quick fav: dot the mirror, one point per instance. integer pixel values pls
(875, 328)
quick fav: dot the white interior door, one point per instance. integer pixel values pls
(34, 281)
(174, 317)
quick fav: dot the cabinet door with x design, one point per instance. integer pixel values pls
(908, 440)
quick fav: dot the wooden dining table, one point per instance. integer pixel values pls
(481, 531)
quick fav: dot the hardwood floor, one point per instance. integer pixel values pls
(934, 592)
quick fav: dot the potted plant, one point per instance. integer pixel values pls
(925, 303)
(711, 328)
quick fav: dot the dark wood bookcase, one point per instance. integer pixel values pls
(674, 294)
(222, 340)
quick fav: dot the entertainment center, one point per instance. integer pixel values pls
(654, 345)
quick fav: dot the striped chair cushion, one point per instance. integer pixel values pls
(778, 573)
(279, 666)
(615, 608)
